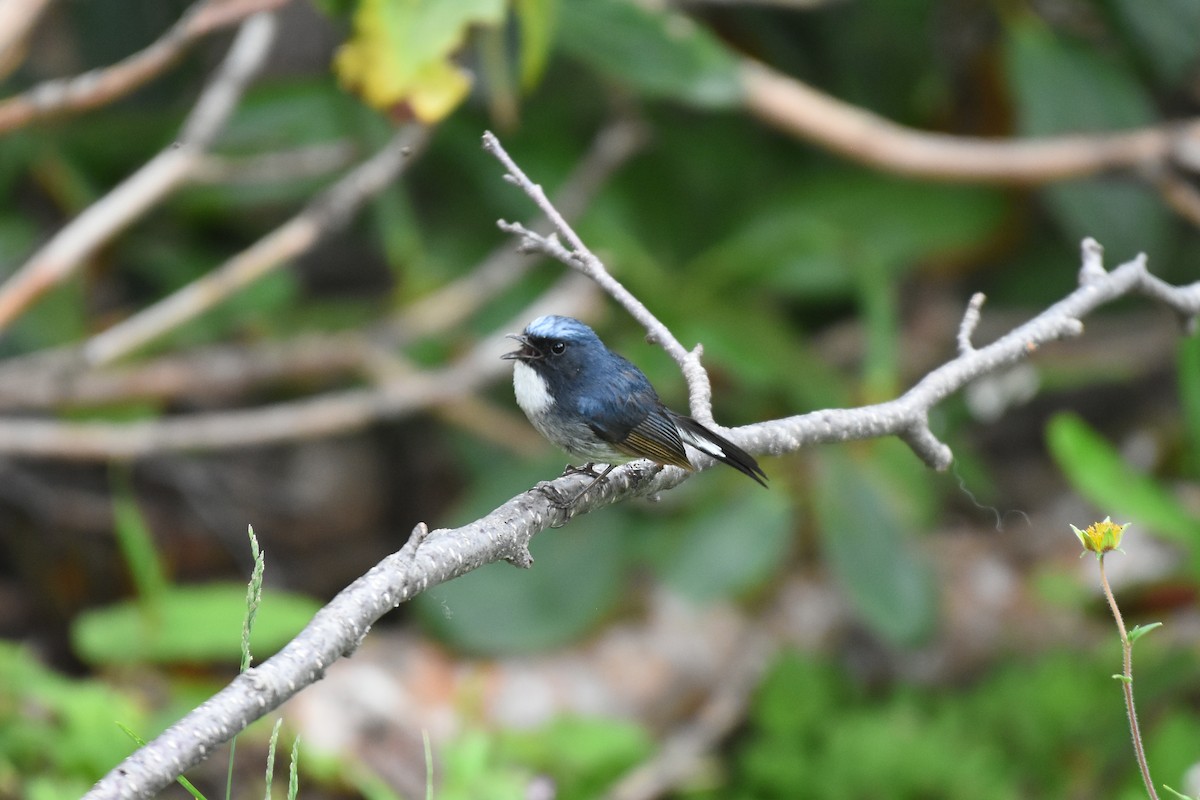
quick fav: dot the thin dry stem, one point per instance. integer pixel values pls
(1127, 684)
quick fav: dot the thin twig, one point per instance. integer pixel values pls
(970, 322)
(51, 379)
(140, 192)
(448, 306)
(100, 86)
(300, 163)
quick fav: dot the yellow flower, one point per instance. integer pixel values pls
(1101, 537)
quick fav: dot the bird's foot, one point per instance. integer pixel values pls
(555, 496)
(588, 469)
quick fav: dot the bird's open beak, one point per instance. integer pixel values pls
(527, 352)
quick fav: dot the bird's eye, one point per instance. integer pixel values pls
(558, 347)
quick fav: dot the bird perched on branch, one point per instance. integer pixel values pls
(598, 406)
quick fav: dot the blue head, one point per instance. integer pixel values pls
(563, 352)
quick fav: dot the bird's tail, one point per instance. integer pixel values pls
(717, 446)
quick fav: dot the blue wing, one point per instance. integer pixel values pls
(625, 411)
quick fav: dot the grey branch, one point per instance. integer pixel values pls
(906, 416)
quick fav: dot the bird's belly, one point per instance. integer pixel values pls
(558, 424)
(577, 439)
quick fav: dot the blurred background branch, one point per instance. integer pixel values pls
(100, 86)
(142, 191)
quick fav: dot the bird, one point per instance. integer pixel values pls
(597, 405)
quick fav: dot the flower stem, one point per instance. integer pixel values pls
(1127, 684)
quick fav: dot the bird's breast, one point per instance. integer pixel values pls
(531, 389)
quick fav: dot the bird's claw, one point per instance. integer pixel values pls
(556, 497)
(588, 469)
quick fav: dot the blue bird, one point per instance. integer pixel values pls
(598, 406)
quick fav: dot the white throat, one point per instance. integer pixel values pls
(533, 396)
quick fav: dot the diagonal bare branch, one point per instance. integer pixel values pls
(331, 209)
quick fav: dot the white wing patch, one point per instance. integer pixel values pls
(533, 396)
(703, 445)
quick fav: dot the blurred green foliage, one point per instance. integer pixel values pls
(167, 623)
(57, 734)
(1049, 727)
(1098, 471)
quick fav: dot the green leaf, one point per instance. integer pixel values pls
(583, 756)
(1174, 793)
(1166, 32)
(401, 52)
(1141, 630)
(472, 770)
(290, 113)
(1122, 678)
(61, 318)
(868, 542)
(1064, 86)
(660, 54)
(1097, 471)
(137, 545)
(1128, 218)
(53, 724)
(879, 302)
(191, 623)
(731, 547)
